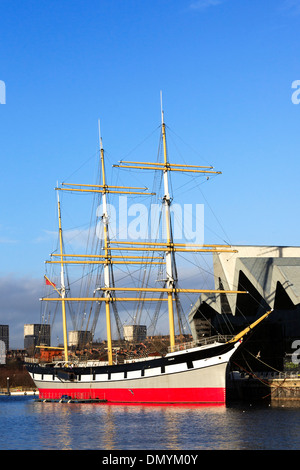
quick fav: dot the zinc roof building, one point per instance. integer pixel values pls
(271, 275)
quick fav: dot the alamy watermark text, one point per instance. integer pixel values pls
(2, 92)
(296, 94)
(137, 221)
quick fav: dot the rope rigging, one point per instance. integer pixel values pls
(92, 276)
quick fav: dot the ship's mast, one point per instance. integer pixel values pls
(169, 258)
(106, 254)
(103, 189)
(63, 287)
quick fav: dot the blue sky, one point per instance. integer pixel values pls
(225, 68)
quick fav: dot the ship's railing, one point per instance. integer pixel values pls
(266, 375)
(59, 363)
(200, 342)
(34, 360)
(31, 360)
(87, 363)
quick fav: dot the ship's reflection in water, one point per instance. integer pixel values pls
(70, 426)
(114, 427)
(125, 427)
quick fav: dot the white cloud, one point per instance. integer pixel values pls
(6, 239)
(291, 6)
(203, 4)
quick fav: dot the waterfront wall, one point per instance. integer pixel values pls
(272, 388)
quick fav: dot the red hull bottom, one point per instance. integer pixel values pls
(142, 395)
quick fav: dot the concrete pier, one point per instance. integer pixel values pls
(271, 388)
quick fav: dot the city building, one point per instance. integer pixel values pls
(4, 335)
(78, 338)
(271, 276)
(135, 333)
(37, 335)
(4, 342)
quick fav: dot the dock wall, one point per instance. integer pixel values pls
(271, 388)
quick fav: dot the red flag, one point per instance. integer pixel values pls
(49, 283)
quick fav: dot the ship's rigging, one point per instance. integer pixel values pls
(159, 254)
(185, 373)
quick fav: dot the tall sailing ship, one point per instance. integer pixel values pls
(188, 372)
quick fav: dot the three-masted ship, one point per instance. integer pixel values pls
(188, 373)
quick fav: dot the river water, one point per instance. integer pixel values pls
(26, 424)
